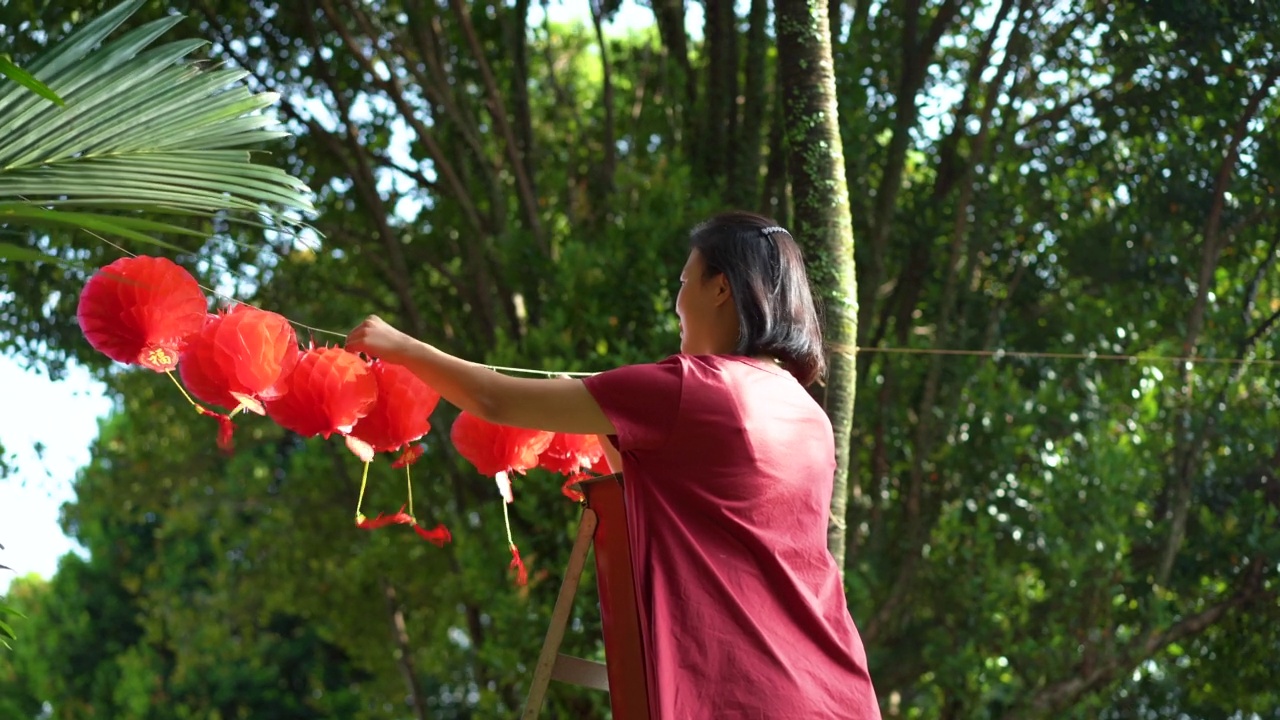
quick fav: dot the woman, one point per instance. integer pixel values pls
(728, 465)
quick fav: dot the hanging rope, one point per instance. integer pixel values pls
(999, 354)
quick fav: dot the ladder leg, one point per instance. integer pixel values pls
(560, 616)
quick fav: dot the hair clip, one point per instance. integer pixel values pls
(771, 230)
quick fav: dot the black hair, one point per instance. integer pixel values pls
(763, 264)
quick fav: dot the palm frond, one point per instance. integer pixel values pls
(26, 80)
(142, 128)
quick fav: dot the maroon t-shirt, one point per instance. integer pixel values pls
(728, 466)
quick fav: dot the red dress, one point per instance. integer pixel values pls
(728, 466)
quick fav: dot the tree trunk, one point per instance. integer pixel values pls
(719, 114)
(403, 652)
(774, 200)
(823, 223)
(670, 15)
(744, 170)
(603, 186)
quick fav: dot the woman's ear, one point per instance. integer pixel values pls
(723, 290)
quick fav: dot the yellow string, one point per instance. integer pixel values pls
(182, 389)
(364, 479)
(506, 520)
(408, 476)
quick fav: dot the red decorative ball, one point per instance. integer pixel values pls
(328, 391)
(257, 350)
(569, 453)
(493, 448)
(141, 310)
(403, 410)
(199, 368)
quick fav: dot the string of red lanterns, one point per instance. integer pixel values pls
(150, 312)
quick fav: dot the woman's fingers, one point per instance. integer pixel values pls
(358, 340)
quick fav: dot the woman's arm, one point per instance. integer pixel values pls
(554, 404)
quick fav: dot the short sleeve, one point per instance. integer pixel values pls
(641, 401)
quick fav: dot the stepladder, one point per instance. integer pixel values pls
(603, 528)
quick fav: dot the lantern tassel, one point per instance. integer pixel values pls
(182, 390)
(571, 492)
(437, 536)
(522, 575)
(399, 518)
(504, 487)
(364, 479)
(225, 426)
(408, 477)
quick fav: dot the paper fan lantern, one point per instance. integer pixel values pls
(328, 391)
(569, 453)
(140, 310)
(402, 412)
(400, 415)
(199, 369)
(497, 450)
(255, 350)
(205, 380)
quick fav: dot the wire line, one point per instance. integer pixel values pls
(999, 354)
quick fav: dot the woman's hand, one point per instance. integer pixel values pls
(374, 337)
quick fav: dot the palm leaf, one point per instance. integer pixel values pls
(142, 128)
(24, 78)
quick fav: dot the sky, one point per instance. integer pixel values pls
(63, 416)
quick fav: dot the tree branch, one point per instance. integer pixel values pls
(497, 110)
(404, 651)
(395, 92)
(915, 58)
(1251, 290)
(366, 184)
(1185, 457)
(610, 143)
(1058, 695)
(1212, 241)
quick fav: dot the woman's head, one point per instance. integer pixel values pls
(744, 290)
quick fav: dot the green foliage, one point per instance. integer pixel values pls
(75, 180)
(26, 80)
(180, 154)
(7, 615)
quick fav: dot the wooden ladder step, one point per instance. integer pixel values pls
(575, 670)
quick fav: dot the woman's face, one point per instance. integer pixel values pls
(699, 307)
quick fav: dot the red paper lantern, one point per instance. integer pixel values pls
(238, 357)
(495, 449)
(199, 367)
(140, 310)
(400, 417)
(327, 392)
(402, 412)
(256, 350)
(569, 453)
